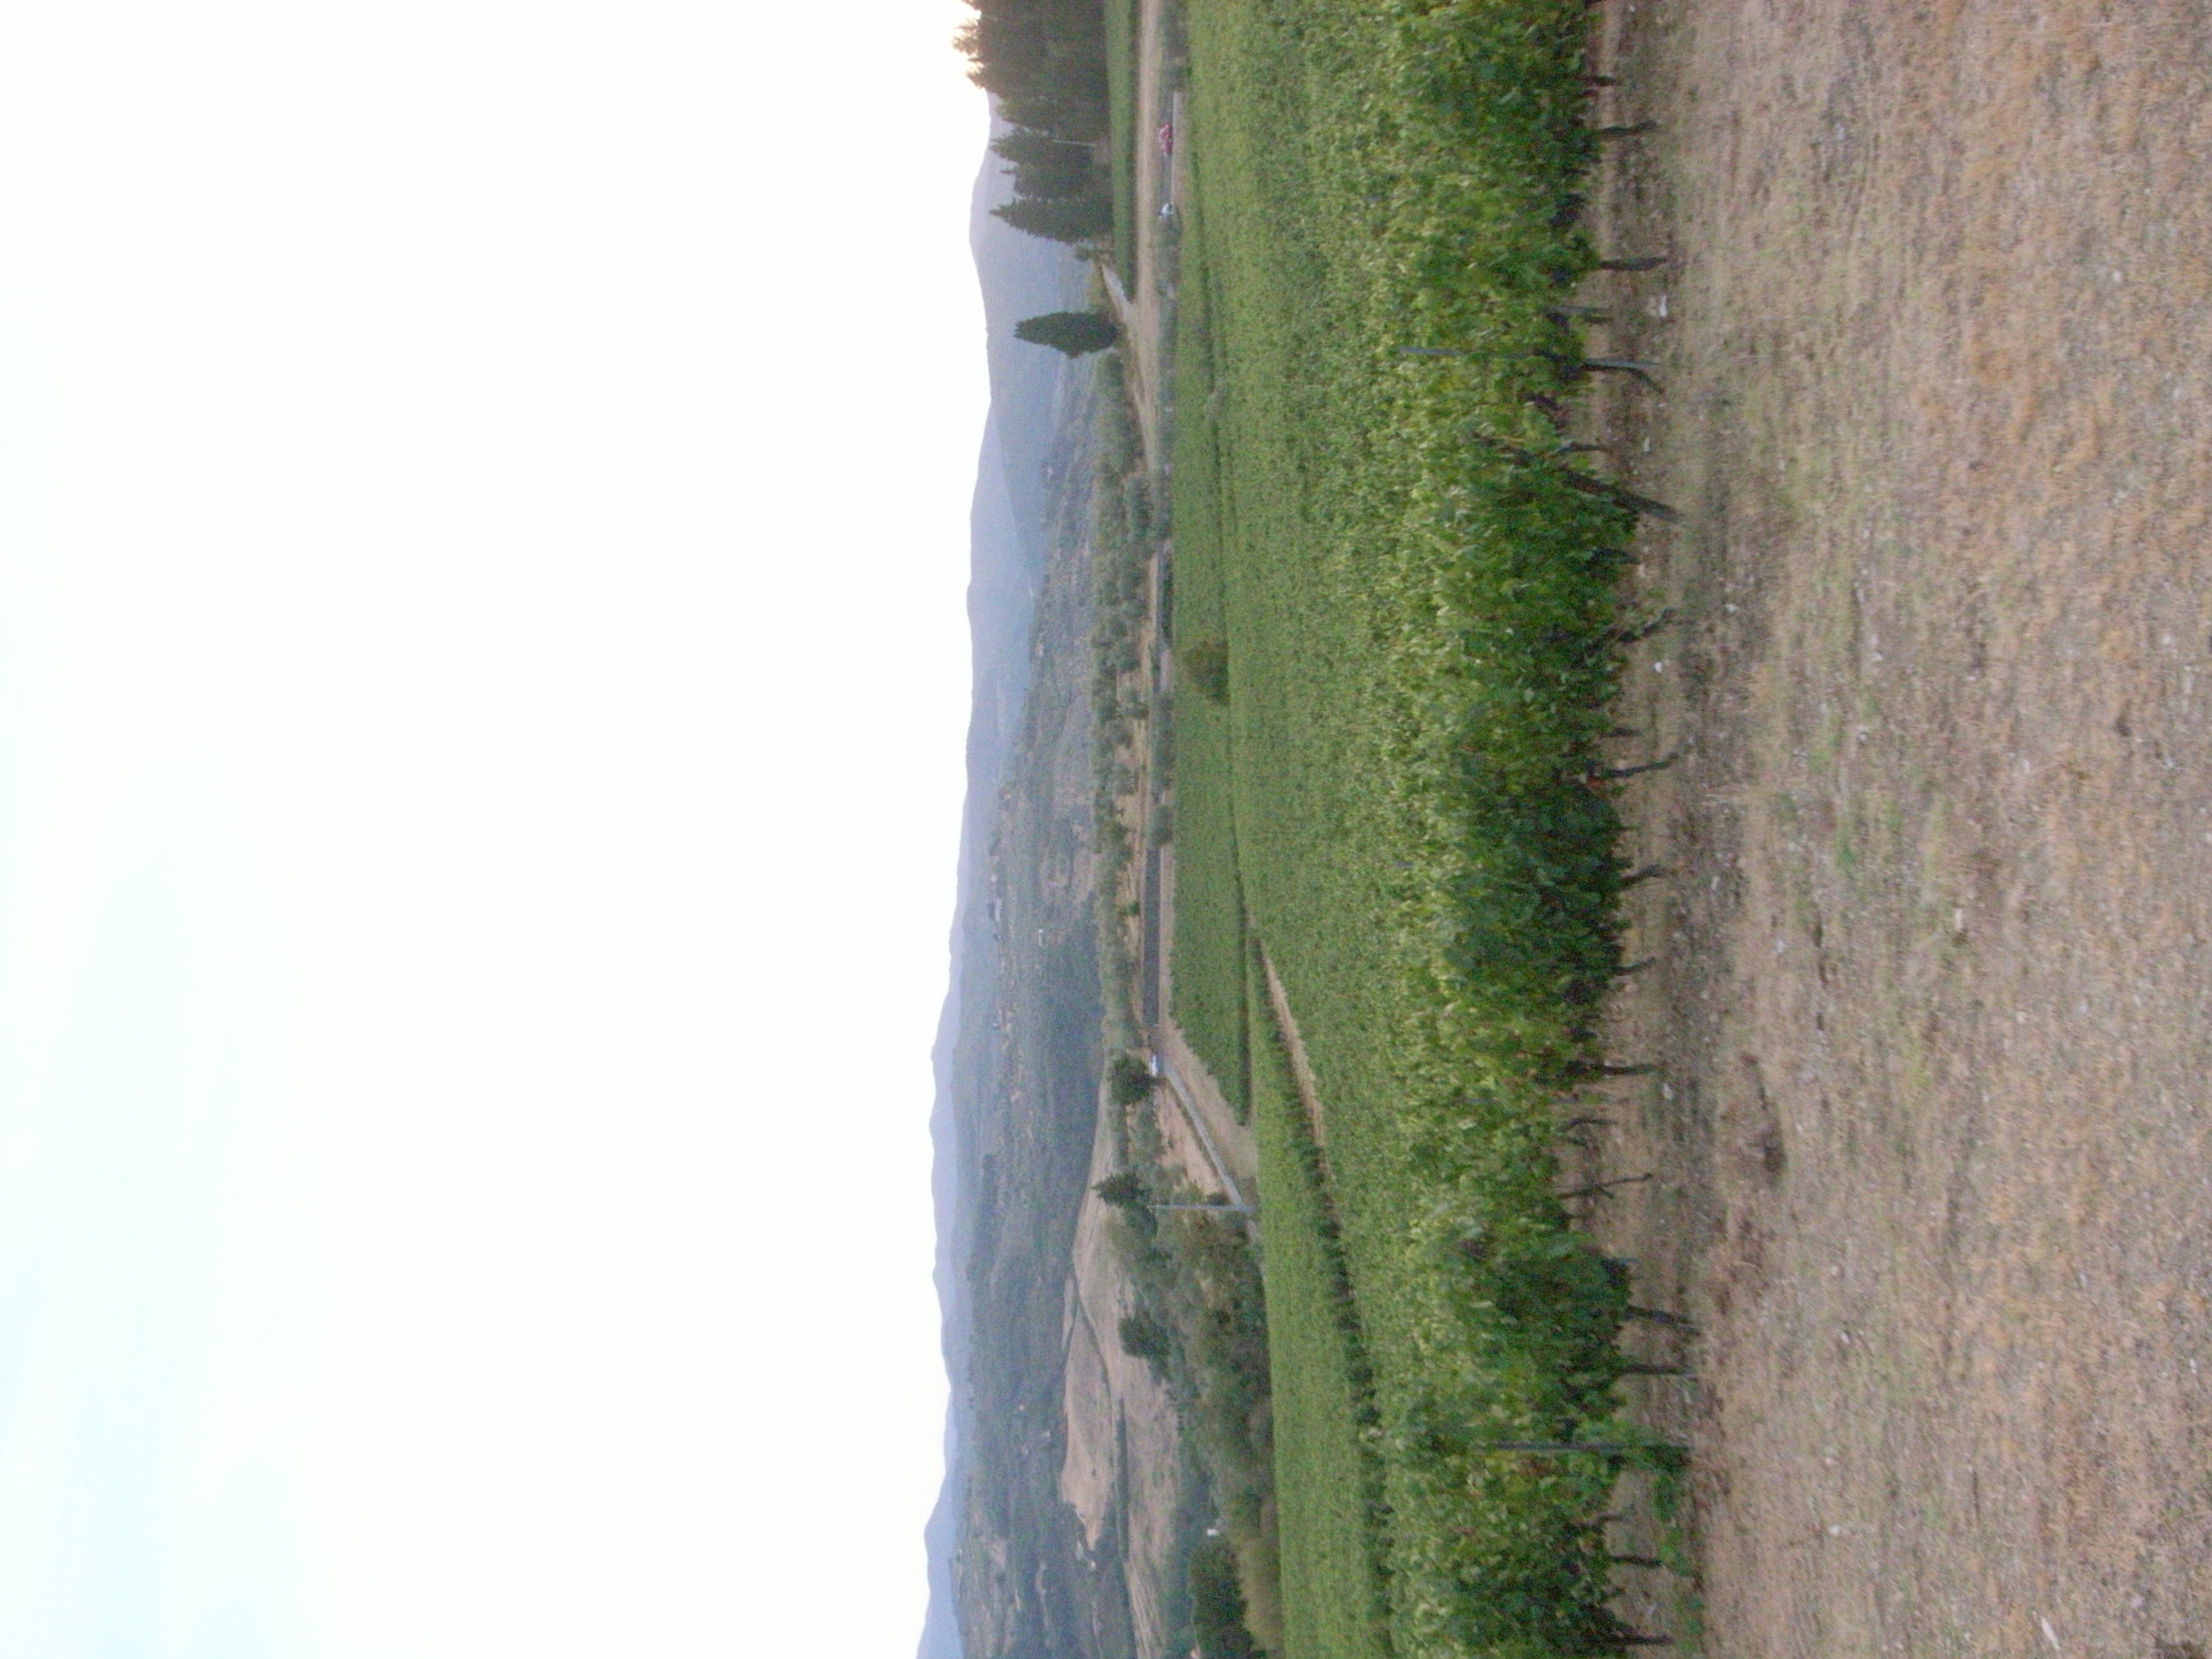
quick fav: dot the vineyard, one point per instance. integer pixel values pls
(1396, 795)
(1210, 949)
(1426, 310)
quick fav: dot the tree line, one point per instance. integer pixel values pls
(1043, 62)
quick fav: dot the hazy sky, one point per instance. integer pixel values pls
(482, 672)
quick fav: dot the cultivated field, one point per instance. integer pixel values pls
(1323, 1396)
(1396, 638)
(1914, 350)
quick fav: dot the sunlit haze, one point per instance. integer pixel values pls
(482, 672)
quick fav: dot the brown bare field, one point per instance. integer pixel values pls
(1121, 1467)
(1933, 955)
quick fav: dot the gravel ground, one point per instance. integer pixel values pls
(1933, 953)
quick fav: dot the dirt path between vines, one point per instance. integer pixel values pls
(1294, 1046)
(1932, 1003)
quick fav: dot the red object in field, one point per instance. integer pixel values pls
(1167, 138)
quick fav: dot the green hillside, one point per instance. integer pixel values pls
(1400, 798)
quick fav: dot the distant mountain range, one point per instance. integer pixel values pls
(1019, 477)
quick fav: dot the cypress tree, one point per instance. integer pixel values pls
(1075, 332)
(1077, 220)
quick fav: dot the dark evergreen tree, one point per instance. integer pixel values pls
(1125, 1191)
(1128, 1080)
(1144, 1338)
(1044, 61)
(1080, 219)
(1075, 332)
(1217, 1604)
(1049, 169)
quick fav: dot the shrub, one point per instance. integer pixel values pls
(1204, 664)
(1125, 1191)
(1129, 1080)
(1217, 1603)
(1076, 333)
(1144, 1338)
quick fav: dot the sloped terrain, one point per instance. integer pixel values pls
(1935, 955)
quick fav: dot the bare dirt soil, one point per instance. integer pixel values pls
(1933, 958)
(1121, 1469)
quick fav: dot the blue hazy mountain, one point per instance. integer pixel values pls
(1021, 478)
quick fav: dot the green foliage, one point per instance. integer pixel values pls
(1328, 1476)
(1206, 665)
(1044, 61)
(1125, 1190)
(1217, 1603)
(1070, 219)
(1417, 594)
(1046, 168)
(1199, 1277)
(1144, 1338)
(1128, 1080)
(1122, 137)
(1210, 953)
(1119, 555)
(1218, 1307)
(1075, 333)
(1120, 552)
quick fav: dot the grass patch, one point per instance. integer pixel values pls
(1210, 949)
(1327, 1478)
(1416, 590)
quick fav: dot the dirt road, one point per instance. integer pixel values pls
(1935, 962)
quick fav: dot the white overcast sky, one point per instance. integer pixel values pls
(484, 499)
